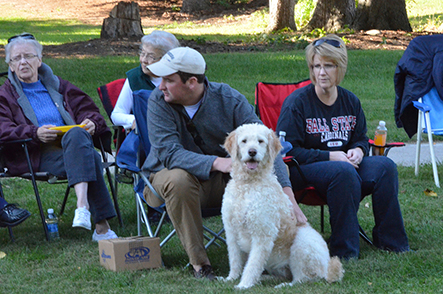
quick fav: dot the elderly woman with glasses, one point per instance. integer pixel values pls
(34, 101)
(152, 48)
(326, 125)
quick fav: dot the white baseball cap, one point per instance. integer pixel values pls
(182, 59)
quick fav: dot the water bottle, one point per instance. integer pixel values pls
(282, 138)
(52, 225)
(380, 137)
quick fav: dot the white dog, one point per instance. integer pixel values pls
(261, 229)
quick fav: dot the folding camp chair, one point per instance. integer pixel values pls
(430, 108)
(132, 163)
(46, 177)
(269, 99)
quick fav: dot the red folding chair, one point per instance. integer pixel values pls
(269, 99)
(108, 95)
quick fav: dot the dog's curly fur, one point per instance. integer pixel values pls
(261, 230)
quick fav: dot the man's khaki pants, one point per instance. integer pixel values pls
(184, 197)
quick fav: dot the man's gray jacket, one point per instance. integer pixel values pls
(171, 132)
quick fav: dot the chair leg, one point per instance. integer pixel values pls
(215, 237)
(62, 209)
(171, 234)
(364, 236)
(11, 235)
(37, 194)
(142, 217)
(322, 218)
(431, 148)
(114, 195)
(419, 138)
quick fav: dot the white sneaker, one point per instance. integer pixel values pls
(110, 234)
(82, 219)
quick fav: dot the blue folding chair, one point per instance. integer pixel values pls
(135, 147)
(430, 110)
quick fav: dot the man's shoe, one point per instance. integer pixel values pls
(205, 272)
(110, 234)
(82, 219)
(11, 215)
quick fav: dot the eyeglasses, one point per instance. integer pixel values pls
(26, 57)
(24, 36)
(334, 43)
(326, 67)
(150, 56)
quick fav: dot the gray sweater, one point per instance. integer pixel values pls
(223, 109)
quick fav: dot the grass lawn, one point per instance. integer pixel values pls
(71, 265)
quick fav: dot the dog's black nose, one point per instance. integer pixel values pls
(252, 152)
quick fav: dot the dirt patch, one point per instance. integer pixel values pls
(155, 12)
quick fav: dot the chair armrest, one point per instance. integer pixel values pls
(15, 141)
(421, 106)
(388, 145)
(291, 162)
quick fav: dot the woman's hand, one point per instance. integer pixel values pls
(89, 126)
(341, 156)
(46, 135)
(355, 155)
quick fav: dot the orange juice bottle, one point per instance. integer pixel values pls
(380, 134)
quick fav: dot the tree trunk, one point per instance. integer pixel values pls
(190, 6)
(382, 15)
(281, 15)
(332, 15)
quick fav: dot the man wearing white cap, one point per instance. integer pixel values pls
(188, 120)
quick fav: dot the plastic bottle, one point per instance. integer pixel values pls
(52, 224)
(282, 138)
(380, 137)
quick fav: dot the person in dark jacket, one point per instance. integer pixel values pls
(418, 71)
(188, 121)
(34, 101)
(326, 125)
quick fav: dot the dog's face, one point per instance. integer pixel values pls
(253, 146)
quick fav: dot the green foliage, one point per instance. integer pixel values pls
(303, 12)
(317, 33)
(175, 8)
(49, 32)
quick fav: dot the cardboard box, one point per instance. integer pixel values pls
(131, 253)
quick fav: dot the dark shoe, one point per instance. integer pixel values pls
(205, 272)
(11, 215)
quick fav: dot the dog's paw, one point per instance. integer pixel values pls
(284, 285)
(223, 279)
(243, 286)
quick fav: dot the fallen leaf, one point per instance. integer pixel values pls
(430, 193)
(2, 254)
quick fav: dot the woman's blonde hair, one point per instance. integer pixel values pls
(330, 47)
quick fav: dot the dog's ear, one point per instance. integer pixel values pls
(274, 144)
(230, 144)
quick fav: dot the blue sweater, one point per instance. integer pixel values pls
(42, 104)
